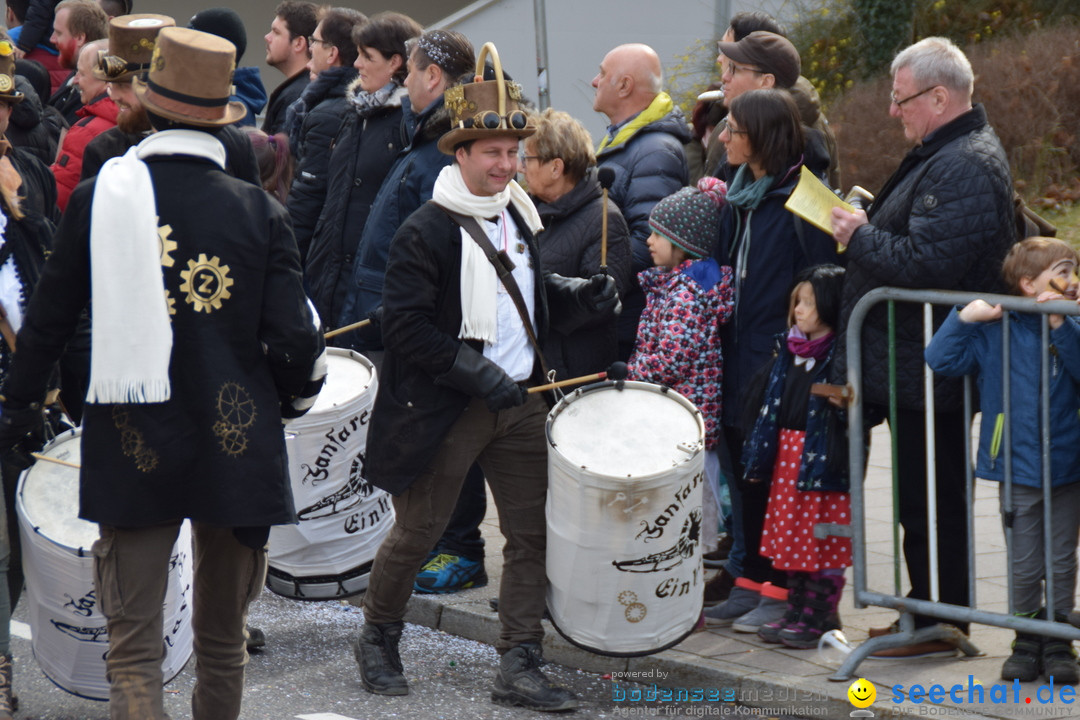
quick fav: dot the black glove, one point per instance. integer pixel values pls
(601, 295)
(22, 431)
(473, 374)
(371, 334)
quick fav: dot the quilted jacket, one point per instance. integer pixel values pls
(944, 220)
(94, 119)
(678, 341)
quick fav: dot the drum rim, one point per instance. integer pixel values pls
(31, 524)
(317, 417)
(612, 653)
(577, 394)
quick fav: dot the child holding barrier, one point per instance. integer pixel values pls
(797, 441)
(687, 295)
(970, 342)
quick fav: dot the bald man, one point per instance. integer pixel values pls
(644, 145)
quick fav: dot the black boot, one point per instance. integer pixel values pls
(520, 682)
(770, 631)
(820, 612)
(377, 655)
(1059, 658)
(1026, 659)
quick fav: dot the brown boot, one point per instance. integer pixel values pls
(718, 589)
(7, 709)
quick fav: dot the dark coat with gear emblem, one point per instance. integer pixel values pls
(243, 338)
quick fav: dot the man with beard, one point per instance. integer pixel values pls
(77, 22)
(287, 50)
(132, 124)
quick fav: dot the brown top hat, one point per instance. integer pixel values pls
(485, 109)
(190, 79)
(8, 93)
(131, 44)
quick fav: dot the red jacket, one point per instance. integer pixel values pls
(94, 119)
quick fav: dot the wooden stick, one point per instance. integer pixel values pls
(58, 461)
(347, 328)
(569, 381)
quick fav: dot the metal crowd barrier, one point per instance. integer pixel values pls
(864, 596)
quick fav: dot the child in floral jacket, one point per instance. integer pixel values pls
(686, 298)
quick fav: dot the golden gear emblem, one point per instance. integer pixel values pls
(170, 303)
(166, 246)
(235, 406)
(6, 83)
(206, 283)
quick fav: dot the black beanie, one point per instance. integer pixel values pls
(223, 22)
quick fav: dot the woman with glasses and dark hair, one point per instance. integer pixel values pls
(767, 246)
(560, 173)
(371, 137)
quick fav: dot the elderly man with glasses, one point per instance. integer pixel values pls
(943, 220)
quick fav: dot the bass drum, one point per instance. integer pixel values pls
(626, 468)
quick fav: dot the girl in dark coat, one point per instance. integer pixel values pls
(558, 163)
(372, 135)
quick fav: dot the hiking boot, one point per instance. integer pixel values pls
(376, 651)
(446, 573)
(520, 682)
(256, 639)
(770, 608)
(744, 597)
(819, 615)
(1025, 662)
(716, 558)
(719, 588)
(770, 631)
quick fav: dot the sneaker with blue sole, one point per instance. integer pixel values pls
(446, 573)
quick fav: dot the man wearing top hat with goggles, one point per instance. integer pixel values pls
(453, 389)
(203, 341)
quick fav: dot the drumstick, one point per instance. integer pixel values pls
(617, 371)
(58, 461)
(605, 176)
(347, 328)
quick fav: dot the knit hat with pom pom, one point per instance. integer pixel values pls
(690, 218)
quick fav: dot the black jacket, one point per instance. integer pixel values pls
(67, 100)
(242, 337)
(324, 107)
(240, 161)
(30, 128)
(283, 96)
(944, 220)
(570, 246)
(360, 158)
(421, 321)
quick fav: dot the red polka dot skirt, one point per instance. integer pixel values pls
(788, 537)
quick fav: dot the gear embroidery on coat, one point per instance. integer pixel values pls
(206, 283)
(132, 442)
(236, 410)
(166, 246)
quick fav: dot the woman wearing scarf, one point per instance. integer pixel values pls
(767, 246)
(370, 139)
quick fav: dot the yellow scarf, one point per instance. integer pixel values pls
(661, 105)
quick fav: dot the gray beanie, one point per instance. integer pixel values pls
(690, 218)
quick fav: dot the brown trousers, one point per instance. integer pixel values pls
(512, 452)
(131, 568)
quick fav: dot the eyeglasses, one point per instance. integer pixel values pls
(734, 68)
(735, 131)
(311, 40)
(909, 98)
(526, 158)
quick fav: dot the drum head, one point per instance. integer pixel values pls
(50, 495)
(348, 375)
(639, 430)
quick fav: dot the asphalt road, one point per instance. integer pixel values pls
(307, 672)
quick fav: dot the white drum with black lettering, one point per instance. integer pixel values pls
(625, 472)
(343, 517)
(69, 638)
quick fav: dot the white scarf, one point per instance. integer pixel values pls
(479, 282)
(11, 294)
(131, 340)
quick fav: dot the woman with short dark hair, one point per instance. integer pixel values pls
(767, 246)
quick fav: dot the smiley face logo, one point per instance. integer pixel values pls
(862, 693)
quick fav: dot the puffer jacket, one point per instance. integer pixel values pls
(28, 128)
(570, 246)
(360, 158)
(407, 186)
(944, 220)
(314, 122)
(678, 342)
(249, 90)
(94, 119)
(648, 167)
(961, 348)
